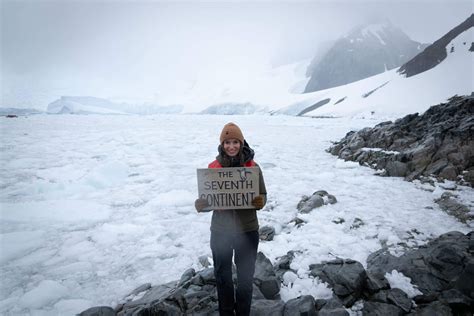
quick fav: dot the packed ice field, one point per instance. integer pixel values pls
(93, 206)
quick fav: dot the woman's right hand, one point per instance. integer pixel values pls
(200, 205)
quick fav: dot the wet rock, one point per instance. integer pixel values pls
(303, 305)
(266, 233)
(346, 277)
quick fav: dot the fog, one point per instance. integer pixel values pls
(152, 51)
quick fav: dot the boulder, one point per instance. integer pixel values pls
(394, 297)
(303, 305)
(266, 233)
(444, 263)
(318, 199)
(267, 307)
(346, 277)
(265, 277)
(378, 309)
(436, 308)
(99, 311)
(331, 307)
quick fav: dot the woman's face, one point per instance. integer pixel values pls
(231, 147)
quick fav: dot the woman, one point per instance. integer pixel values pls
(234, 231)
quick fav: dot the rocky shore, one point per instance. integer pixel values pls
(438, 143)
(442, 274)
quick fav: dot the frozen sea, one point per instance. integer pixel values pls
(94, 206)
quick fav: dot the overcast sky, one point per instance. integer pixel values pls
(120, 49)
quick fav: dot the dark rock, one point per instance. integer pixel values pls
(283, 264)
(266, 233)
(331, 199)
(376, 282)
(141, 288)
(460, 304)
(98, 311)
(265, 277)
(443, 263)
(307, 204)
(155, 293)
(303, 305)
(346, 277)
(338, 220)
(395, 297)
(332, 307)
(436, 308)
(311, 203)
(267, 307)
(186, 276)
(357, 223)
(256, 293)
(425, 299)
(378, 309)
(298, 222)
(440, 142)
(436, 52)
(396, 169)
(449, 204)
(207, 276)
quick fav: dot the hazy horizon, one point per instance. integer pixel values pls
(152, 51)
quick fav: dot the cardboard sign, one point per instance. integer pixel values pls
(228, 188)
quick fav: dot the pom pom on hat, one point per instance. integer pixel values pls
(231, 131)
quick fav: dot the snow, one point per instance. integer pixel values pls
(94, 206)
(400, 281)
(401, 95)
(44, 293)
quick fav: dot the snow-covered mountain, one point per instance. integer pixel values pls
(279, 90)
(392, 94)
(438, 51)
(366, 51)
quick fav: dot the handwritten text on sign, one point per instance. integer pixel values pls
(228, 188)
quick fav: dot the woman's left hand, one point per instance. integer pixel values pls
(258, 202)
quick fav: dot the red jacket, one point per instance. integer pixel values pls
(216, 164)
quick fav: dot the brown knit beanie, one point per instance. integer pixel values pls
(231, 131)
